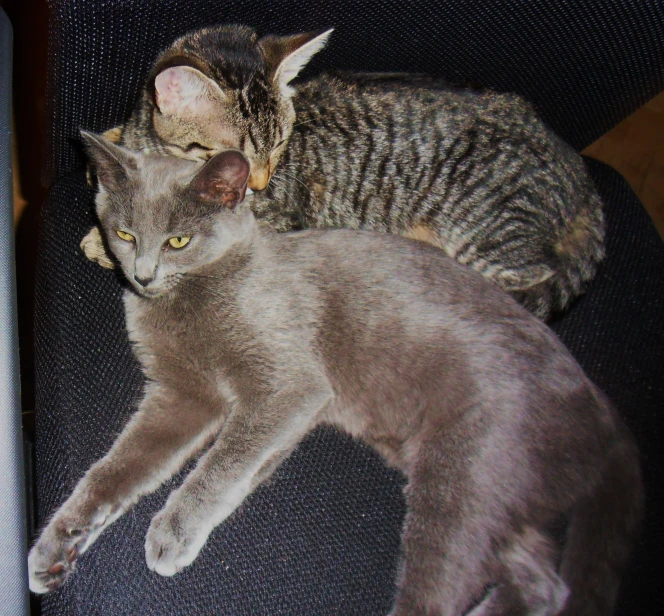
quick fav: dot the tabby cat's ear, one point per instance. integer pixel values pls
(287, 55)
(112, 162)
(183, 91)
(223, 179)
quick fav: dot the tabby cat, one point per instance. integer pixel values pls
(250, 338)
(474, 173)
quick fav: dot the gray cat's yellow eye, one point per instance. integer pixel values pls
(179, 242)
(127, 237)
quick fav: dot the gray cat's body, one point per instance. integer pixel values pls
(249, 339)
(474, 173)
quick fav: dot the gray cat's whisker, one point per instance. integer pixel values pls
(203, 287)
(191, 275)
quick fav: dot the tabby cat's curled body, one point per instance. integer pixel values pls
(494, 189)
(474, 173)
(251, 338)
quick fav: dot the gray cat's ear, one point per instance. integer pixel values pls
(112, 162)
(288, 55)
(183, 91)
(223, 179)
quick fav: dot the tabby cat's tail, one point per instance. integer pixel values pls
(574, 259)
(602, 533)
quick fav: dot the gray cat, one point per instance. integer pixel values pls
(249, 338)
(474, 173)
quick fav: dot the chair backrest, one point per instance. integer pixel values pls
(585, 64)
(13, 557)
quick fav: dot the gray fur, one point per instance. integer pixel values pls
(249, 338)
(474, 173)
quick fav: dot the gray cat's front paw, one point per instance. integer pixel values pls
(170, 545)
(53, 558)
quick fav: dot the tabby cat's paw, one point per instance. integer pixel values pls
(93, 247)
(169, 545)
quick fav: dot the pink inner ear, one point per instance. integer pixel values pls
(168, 91)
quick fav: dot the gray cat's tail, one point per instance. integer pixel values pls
(602, 533)
(574, 259)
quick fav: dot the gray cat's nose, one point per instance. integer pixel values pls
(144, 282)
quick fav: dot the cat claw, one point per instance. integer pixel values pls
(53, 577)
(53, 559)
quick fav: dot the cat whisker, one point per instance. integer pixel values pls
(198, 285)
(294, 177)
(305, 122)
(274, 183)
(188, 275)
(280, 184)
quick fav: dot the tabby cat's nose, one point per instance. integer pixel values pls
(144, 282)
(259, 179)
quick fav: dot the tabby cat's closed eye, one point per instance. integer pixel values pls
(197, 146)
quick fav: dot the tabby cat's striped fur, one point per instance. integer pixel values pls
(475, 173)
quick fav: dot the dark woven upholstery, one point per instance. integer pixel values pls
(322, 537)
(585, 64)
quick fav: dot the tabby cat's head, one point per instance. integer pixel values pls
(164, 217)
(223, 87)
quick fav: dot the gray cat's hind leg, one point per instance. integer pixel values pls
(531, 586)
(463, 495)
(447, 550)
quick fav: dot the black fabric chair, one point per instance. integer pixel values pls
(323, 536)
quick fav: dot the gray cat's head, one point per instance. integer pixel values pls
(223, 87)
(164, 217)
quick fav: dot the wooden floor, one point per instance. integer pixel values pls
(635, 148)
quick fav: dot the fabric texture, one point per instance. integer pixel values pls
(323, 536)
(585, 64)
